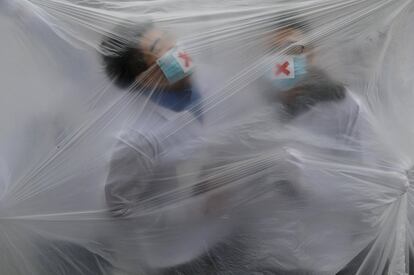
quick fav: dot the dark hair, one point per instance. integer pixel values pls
(317, 87)
(293, 20)
(122, 59)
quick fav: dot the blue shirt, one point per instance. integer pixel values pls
(178, 101)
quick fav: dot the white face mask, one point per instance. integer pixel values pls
(176, 64)
(285, 71)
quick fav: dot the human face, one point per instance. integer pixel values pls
(289, 41)
(154, 44)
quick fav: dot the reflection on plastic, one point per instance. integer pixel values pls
(120, 154)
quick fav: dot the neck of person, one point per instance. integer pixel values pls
(181, 85)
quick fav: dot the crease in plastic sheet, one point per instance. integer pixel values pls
(96, 178)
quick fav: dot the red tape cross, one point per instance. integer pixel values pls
(282, 68)
(186, 58)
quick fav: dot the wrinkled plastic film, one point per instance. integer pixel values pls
(244, 177)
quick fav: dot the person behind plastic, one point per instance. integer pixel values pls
(144, 59)
(307, 99)
(293, 78)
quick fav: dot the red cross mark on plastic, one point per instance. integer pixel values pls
(186, 58)
(282, 69)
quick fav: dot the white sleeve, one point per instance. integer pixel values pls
(130, 170)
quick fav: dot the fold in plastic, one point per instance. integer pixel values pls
(241, 178)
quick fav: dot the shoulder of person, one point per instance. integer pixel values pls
(142, 131)
(148, 116)
(353, 102)
(142, 143)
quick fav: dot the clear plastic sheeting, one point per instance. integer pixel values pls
(206, 137)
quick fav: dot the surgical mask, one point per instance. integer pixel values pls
(284, 72)
(175, 64)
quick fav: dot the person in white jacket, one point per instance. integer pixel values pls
(292, 177)
(170, 93)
